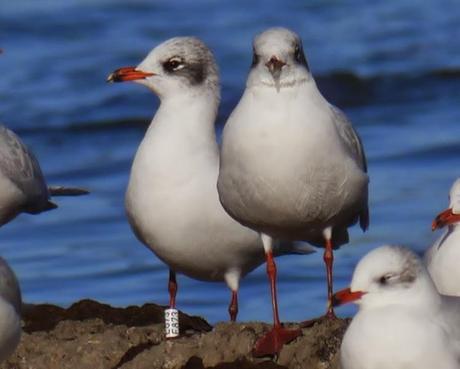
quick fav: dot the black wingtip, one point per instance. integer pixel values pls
(51, 205)
(364, 220)
(67, 191)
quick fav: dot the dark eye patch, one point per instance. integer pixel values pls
(406, 278)
(255, 59)
(173, 64)
(193, 71)
(384, 279)
(299, 55)
(297, 51)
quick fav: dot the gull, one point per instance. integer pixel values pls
(403, 322)
(443, 257)
(10, 311)
(171, 201)
(292, 166)
(23, 188)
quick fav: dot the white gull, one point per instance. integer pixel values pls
(171, 201)
(292, 166)
(402, 322)
(443, 257)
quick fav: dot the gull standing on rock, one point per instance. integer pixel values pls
(292, 166)
(10, 311)
(171, 201)
(23, 188)
(443, 258)
(402, 322)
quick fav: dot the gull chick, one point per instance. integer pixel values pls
(292, 166)
(171, 201)
(402, 322)
(443, 257)
(23, 188)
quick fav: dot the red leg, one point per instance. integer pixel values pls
(172, 288)
(329, 260)
(271, 271)
(273, 341)
(233, 307)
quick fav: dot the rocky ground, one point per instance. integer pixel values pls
(98, 336)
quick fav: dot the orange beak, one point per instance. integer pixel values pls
(445, 218)
(345, 296)
(128, 74)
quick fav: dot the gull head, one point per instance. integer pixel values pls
(178, 65)
(278, 59)
(389, 275)
(450, 216)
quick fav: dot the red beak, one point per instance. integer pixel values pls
(345, 296)
(274, 64)
(128, 74)
(445, 218)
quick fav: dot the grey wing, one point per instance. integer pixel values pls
(356, 149)
(21, 167)
(351, 138)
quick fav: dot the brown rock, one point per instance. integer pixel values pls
(90, 335)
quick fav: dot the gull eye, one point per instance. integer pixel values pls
(297, 53)
(173, 64)
(299, 56)
(384, 279)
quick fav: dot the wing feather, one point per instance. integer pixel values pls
(21, 167)
(354, 145)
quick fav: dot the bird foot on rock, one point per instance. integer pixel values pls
(273, 341)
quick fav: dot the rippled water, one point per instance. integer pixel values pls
(394, 67)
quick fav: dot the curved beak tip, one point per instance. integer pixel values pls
(110, 78)
(445, 218)
(275, 65)
(345, 296)
(128, 74)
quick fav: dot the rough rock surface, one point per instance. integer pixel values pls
(90, 335)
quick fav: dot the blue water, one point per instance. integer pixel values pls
(394, 67)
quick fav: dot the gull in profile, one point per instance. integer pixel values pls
(403, 322)
(171, 201)
(443, 257)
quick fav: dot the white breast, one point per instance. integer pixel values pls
(173, 206)
(443, 260)
(282, 156)
(396, 338)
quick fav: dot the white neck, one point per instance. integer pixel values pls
(180, 143)
(454, 227)
(291, 90)
(192, 112)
